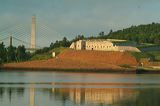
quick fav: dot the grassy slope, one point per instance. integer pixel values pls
(148, 50)
(153, 55)
(48, 55)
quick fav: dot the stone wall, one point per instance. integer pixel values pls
(100, 45)
(128, 48)
(73, 45)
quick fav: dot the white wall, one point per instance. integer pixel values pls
(100, 45)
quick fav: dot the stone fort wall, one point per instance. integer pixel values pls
(100, 45)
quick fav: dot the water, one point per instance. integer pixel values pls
(78, 89)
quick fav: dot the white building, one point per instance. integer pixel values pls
(100, 45)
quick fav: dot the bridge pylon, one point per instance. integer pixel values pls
(33, 33)
(10, 40)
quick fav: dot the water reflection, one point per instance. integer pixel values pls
(31, 96)
(76, 96)
(78, 89)
(79, 96)
(146, 97)
(90, 96)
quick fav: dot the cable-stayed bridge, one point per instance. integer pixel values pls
(32, 34)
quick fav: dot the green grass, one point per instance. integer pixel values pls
(58, 50)
(42, 56)
(125, 43)
(125, 66)
(48, 55)
(154, 56)
(147, 45)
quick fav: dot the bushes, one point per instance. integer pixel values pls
(125, 66)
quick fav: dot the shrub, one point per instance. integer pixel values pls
(125, 66)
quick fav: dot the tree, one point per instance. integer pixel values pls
(21, 54)
(79, 37)
(65, 42)
(110, 32)
(11, 54)
(62, 43)
(2, 53)
(101, 33)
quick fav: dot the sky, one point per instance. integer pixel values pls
(87, 17)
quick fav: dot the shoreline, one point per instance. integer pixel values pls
(84, 70)
(84, 61)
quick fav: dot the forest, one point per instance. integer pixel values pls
(149, 33)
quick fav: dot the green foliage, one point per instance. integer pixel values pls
(140, 55)
(59, 50)
(153, 56)
(13, 54)
(48, 54)
(125, 66)
(21, 54)
(45, 53)
(41, 56)
(62, 43)
(141, 34)
(3, 55)
(41, 51)
(157, 58)
(79, 37)
(149, 33)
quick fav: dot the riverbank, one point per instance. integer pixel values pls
(81, 61)
(143, 70)
(125, 71)
(148, 70)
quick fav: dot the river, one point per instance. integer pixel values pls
(78, 89)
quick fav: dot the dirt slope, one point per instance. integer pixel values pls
(72, 59)
(116, 58)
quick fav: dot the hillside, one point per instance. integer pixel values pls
(149, 33)
(72, 59)
(97, 57)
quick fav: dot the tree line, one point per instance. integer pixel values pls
(149, 33)
(58, 43)
(13, 54)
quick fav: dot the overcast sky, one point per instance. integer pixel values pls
(88, 17)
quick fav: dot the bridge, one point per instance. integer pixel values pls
(33, 35)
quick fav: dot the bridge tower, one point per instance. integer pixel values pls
(10, 40)
(33, 33)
